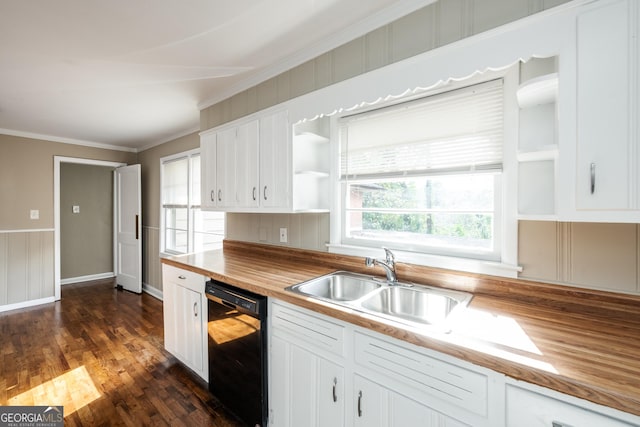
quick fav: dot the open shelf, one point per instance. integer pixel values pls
(539, 90)
(549, 152)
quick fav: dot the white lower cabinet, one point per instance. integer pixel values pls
(185, 318)
(306, 388)
(533, 407)
(324, 372)
(378, 406)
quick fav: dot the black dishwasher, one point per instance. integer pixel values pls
(238, 351)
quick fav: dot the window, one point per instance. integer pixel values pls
(186, 228)
(426, 175)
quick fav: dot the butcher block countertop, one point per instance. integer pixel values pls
(580, 342)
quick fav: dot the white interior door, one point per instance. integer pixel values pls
(128, 228)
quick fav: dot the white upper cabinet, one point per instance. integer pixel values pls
(275, 161)
(225, 168)
(604, 179)
(246, 165)
(261, 165)
(209, 187)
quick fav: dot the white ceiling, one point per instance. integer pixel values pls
(132, 73)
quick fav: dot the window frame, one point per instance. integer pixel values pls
(191, 207)
(503, 259)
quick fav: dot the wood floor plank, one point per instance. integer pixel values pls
(99, 352)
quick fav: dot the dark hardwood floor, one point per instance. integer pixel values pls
(99, 353)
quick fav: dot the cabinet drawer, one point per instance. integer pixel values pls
(424, 375)
(303, 326)
(185, 278)
(529, 409)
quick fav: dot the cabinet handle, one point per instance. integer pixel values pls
(213, 197)
(254, 193)
(219, 195)
(593, 177)
(182, 277)
(335, 384)
(360, 403)
(264, 192)
(195, 309)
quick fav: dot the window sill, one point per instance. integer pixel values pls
(437, 261)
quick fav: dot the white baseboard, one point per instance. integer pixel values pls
(88, 278)
(154, 292)
(25, 304)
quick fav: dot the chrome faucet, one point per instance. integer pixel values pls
(389, 265)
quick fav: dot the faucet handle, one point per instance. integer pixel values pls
(391, 258)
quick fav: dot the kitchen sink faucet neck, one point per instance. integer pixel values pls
(389, 265)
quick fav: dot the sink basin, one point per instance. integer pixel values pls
(339, 286)
(417, 305)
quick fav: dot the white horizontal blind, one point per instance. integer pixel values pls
(175, 182)
(460, 130)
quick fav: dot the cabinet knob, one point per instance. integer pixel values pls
(182, 277)
(592, 170)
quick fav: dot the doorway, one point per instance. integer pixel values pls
(58, 162)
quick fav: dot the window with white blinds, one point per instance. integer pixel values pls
(425, 175)
(456, 131)
(186, 228)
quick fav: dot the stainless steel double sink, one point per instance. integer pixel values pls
(415, 305)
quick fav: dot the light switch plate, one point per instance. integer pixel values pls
(34, 214)
(75, 209)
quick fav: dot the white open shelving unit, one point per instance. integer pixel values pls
(537, 144)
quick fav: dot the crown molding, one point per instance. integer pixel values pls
(180, 134)
(375, 21)
(62, 140)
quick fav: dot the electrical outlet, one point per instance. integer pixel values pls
(75, 209)
(283, 235)
(34, 214)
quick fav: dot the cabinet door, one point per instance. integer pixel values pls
(188, 315)
(376, 405)
(331, 410)
(170, 317)
(528, 409)
(305, 390)
(370, 403)
(185, 319)
(246, 167)
(208, 170)
(275, 161)
(604, 160)
(225, 168)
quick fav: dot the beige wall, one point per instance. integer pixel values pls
(86, 237)
(601, 256)
(26, 177)
(26, 182)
